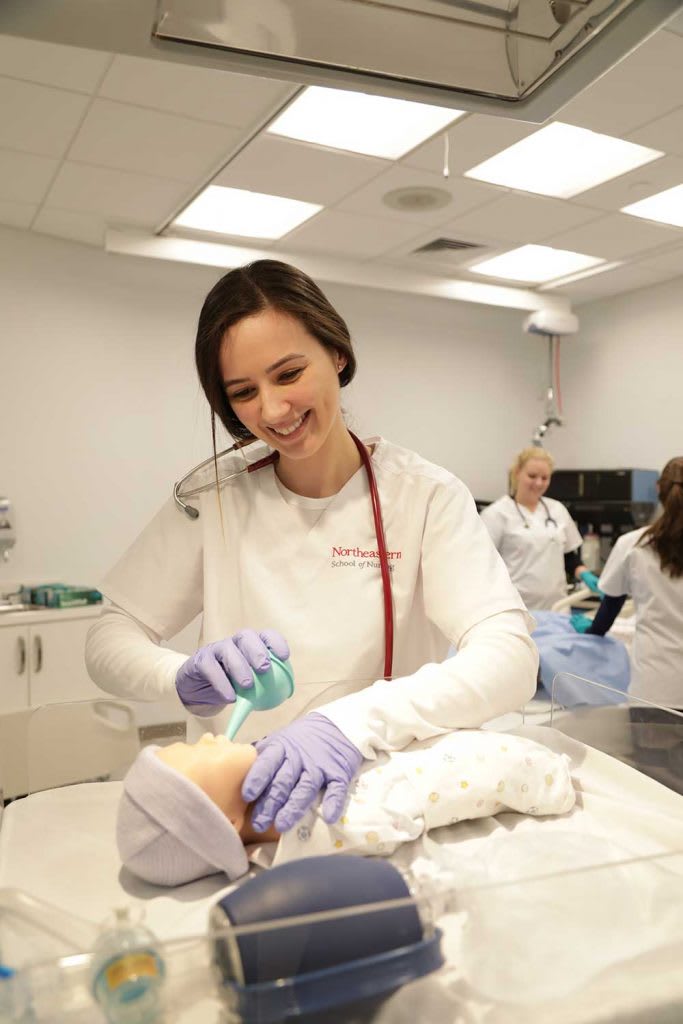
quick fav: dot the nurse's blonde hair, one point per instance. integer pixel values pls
(521, 459)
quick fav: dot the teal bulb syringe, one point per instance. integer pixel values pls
(270, 689)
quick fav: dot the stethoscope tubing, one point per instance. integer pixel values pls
(527, 525)
(383, 558)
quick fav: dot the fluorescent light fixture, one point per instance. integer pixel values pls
(562, 160)
(234, 211)
(535, 264)
(361, 123)
(666, 207)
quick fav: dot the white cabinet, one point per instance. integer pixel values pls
(13, 668)
(42, 659)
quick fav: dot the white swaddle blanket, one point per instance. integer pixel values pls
(466, 774)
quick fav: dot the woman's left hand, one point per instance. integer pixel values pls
(293, 765)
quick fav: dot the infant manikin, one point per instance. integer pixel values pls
(182, 815)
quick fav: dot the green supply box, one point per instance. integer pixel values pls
(72, 597)
(60, 595)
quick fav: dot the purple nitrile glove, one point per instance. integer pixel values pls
(293, 765)
(206, 681)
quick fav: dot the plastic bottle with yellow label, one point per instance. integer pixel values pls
(127, 971)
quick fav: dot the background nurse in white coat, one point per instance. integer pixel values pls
(285, 559)
(536, 537)
(647, 564)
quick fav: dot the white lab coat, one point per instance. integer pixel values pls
(309, 568)
(533, 548)
(657, 652)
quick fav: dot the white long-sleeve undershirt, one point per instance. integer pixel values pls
(494, 672)
(125, 657)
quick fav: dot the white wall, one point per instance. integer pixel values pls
(102, 410)
(623, 382)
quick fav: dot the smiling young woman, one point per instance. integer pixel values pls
(261, 566)
(537, 538)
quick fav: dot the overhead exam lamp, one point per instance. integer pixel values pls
(551, 324)
(517, 58)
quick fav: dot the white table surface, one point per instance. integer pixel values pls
(59, 846)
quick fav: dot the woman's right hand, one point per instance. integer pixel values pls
(206, 681)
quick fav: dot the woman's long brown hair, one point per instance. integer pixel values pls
(666, 533)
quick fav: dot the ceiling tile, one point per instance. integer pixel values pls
(66, 67)
(521, 218)
(36, 119)
(296, 170)
(346, 234)
(79, 227)
(202, 93)
(665, 133)
(17, 215)
(611, 282)
(115, 195)
(615, 237)
(25, 177)
(150, 142)
(644, 85)
(637, 184)
(427, 263)
(471, 140)
(465, 195)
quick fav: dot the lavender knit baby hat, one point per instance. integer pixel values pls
(168, 831)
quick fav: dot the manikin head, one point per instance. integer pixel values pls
(182, 815)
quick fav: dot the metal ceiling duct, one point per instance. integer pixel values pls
(519, 58)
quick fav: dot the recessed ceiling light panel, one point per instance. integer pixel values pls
(534, 264)
(665, 207)
(361, 123)
(561, 160)
(235, 211)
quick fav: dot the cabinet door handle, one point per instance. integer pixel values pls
(37, 653)
(21, 655)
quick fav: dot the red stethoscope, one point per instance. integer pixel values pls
(208, 473)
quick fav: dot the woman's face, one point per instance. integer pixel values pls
(533, 480)
(281, 382)
(218, 766)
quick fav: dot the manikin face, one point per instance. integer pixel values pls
(218, 766)
(532, 481)
(282, 383)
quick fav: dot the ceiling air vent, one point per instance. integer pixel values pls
(448, 245)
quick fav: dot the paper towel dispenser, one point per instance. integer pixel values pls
(7, 537)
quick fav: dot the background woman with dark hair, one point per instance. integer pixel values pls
(647, 564)
(286, 559)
